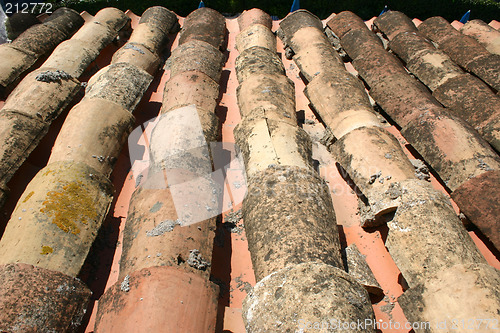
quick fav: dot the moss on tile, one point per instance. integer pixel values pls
(46, 250)
(70, 206)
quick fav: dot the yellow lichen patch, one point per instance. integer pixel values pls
(70, 206)
(46, 250)
(28, 196)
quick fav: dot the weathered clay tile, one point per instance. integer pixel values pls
(76, 54)
(335, 293)
(289, 220)
(158, 17)
(464, 50)
(254, 17)
(109, 84)
(256, 35)
(358, 268)
(302, 19)
(341, 101)
(45, 93)
(139, 56)
(479, 197)
(65, 19)
(31, 39)
(407, 45)
(355, 42)
(405, 98)
(458, 154)
(424, 210)
(484, 34)
(437, 29)
(10, 71)
(188, 88)
(465, 95)
(73, 55)
(115, 123)
(474, 102)
(433, 68)
(344, 22)
(206, 25)
(57, 218)
(155, 235)
(392, 23)
(59, 214)
(113, 18)
(56, 302)
(375, 65)
(20, 55)
(164, 246)
(288, 214)
(313, 53)
(451, 147)
(266, 142)
(438, 299)
(377, 167)
(262, 90)
(434, 134)
(159, 299)
(180, 140)
(186, 57)
(488, 69)
(257, 60)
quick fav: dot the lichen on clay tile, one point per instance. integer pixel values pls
(247, 174)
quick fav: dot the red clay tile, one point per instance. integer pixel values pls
(320, 293)
(256, 35)
(188, 88)
(254, 17)
(54, 301)
(344, 22)
(437, 29)
(186, 57)
(159, 299)
(437, 302)
(478, 197)
(392, 23)
(474, 102)
(484, 34)
(206, 25)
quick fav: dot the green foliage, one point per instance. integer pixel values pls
(486, 10)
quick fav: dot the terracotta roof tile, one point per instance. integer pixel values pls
(485, 34)
(300, 220)
(464, 50)
(162, 245)
(39, 40)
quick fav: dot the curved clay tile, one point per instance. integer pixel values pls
(65, 204)
(168, 242)
(464, 50)
(289, 218)
(18, 56)
(44, 94)
(441, 139)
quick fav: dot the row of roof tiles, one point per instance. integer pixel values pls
(288, 214)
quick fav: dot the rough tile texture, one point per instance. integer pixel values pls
(58, 300)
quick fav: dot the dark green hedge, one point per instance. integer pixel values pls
(486, 10)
